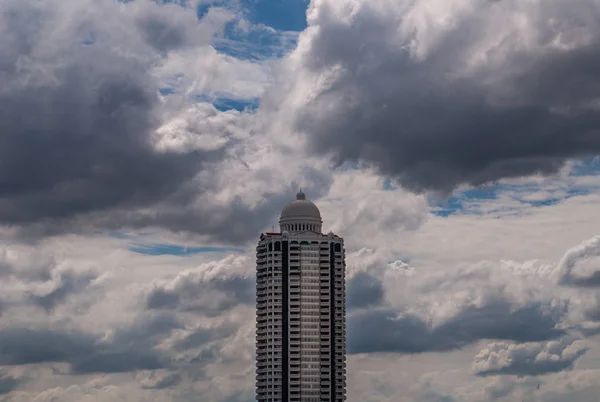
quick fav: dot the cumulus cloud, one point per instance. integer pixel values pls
(593, 312)
(587, 249)
(500, 389)
(529, 358)
(364, 290)
(9, 382)
(361, 201)
(105, 150)
(389, 331)
(211, 288)
(127, 349)
(66, 284)
(40, 279)
(441, 310)
(158, 379)
(87, 149)
(440, 94)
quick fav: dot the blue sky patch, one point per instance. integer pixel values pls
(468, 202)
(173, 249)
(202, 10)
(255, 43)
(457, 202)
(283, 15)
(119, 235)
(225, 104)
(587, 167)
(543, 203)
(166, 91)
(387, 185)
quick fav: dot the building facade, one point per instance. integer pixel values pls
(301, 310)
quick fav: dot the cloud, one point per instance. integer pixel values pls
(88, 149)
(68, 284)
(587, 249)
(172, 27)
(211, 288)
(9, 382)
(34, 277)
(158, 379)
(529, 358)
(440, 95)
(500, 389)
(105, 150)
(382, 330)
(593, 312)
(130, 348)
(201, 336)
(361, 201)
(364, 290)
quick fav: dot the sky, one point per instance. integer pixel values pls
(145, 145)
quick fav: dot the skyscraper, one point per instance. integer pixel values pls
(300, 310)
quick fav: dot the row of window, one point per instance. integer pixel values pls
(301, 226)
(276, 245)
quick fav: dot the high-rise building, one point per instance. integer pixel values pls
(300, 309)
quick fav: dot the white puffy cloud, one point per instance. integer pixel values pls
(529, 358)
(589, 248)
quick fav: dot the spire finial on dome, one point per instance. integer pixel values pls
(300, 195)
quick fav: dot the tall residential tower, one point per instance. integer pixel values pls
(301, 310)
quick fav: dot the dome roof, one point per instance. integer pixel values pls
(300, 209)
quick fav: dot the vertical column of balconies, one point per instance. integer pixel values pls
(285, 321)
(333, 334)
(293, 339)
(339, 322)
(269, 327)
(262, 358)
(324, 322)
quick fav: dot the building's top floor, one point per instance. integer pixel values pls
(270, 241)
(299, 236)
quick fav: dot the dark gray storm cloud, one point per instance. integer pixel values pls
(132, 348)
(78, 108)
(74, 135)
(210, 298)
(82, 144)
(593, 314)
(364, 290)
(591, 281)
(385, 331)
(8, 384)
(162, 35)
(414, 106)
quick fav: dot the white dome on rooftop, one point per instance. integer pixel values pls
(300, 215)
